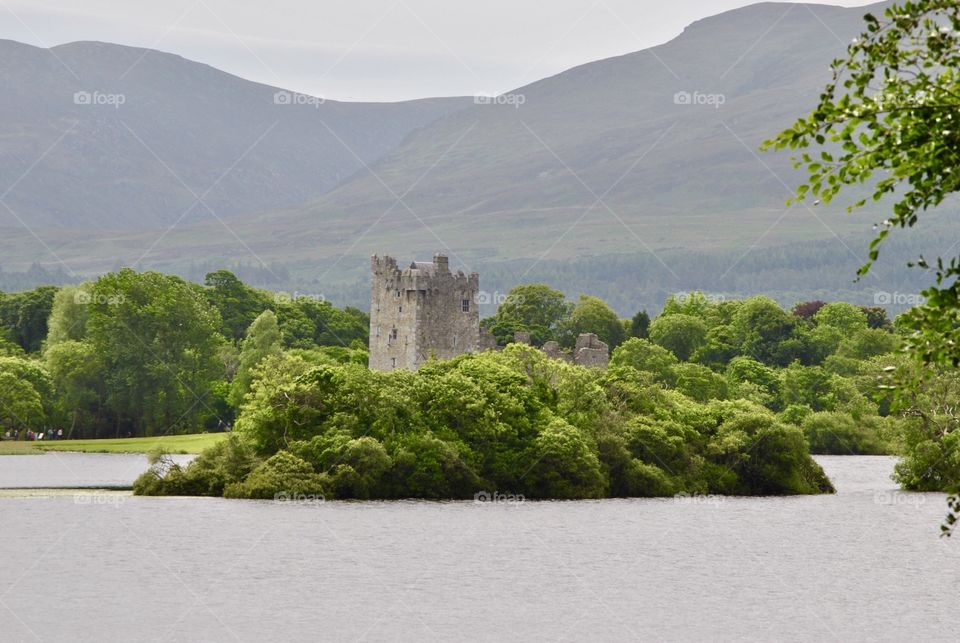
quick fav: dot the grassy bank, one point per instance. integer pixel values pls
(172, 443)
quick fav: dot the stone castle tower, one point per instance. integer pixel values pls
(421, 311)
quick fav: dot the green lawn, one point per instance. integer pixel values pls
(172, 443)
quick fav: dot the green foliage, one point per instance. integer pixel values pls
(229, 462)
(845, 317)
(534, 308)
(237, 303)
(593, 315)
(306, 323)
(812, 386)
(643, 355)
(20, 403)
(566, 466)
(866, 343)
(888, 121)
(694, 304)
(640, 325)
(679, 333)
(834, 433)
(283, 476)
(514, 422)
(158, 341)
(700, 383)
(763, 330)
(931, 432)
(23, 316)
(76, 371)
(262, 339)
(68, 315)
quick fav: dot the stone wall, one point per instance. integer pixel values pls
(426, 311)
(590, 351)
(421, 311)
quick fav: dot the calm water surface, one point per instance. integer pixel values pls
(54, 469)
(865, 564)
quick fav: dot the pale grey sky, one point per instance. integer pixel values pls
(372, 49)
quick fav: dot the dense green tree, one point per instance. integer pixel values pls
(68, 316)
(237, 303)
(26, 394)
(158, 340)
(32, 373)
(593, 315)
(845, 317)
(718, 348)
(77, 372)
(931, 430)
(762, 329)
(887, 121)
(695, 304)
(24, 315)
(566, 466)
(680, 334)
(867, 343)
(640, 325)
(20, 404)
(263, 339)
(831, 432)
(534, 308)
(700, 383)
(227, 463)
(644, 355)
(284, 477)
(306, 323)
(812, 386)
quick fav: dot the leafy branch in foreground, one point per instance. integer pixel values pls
(889, 121)
(890, 116)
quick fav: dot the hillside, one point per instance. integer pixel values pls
(604, 164)
(126, 138)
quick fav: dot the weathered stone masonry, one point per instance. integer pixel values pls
(427, 311)
(421, 311)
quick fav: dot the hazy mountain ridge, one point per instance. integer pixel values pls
(124, 115)
(603, 164)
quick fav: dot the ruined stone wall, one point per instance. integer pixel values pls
(590, 351)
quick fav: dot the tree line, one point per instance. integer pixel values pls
(145, 354)
(140, 354)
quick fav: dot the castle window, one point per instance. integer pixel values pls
(401, 309)
(393, 362)
(394, 333)
(398, 294)
(465, 305)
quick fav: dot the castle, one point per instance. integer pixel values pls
(421, 311)
(426, 311)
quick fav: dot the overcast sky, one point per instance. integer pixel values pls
(372, 49)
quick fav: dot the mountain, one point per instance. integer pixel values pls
(112, 137)
(502, 181)
(642, 171)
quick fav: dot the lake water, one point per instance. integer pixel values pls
(54, 469)
(864, 564)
